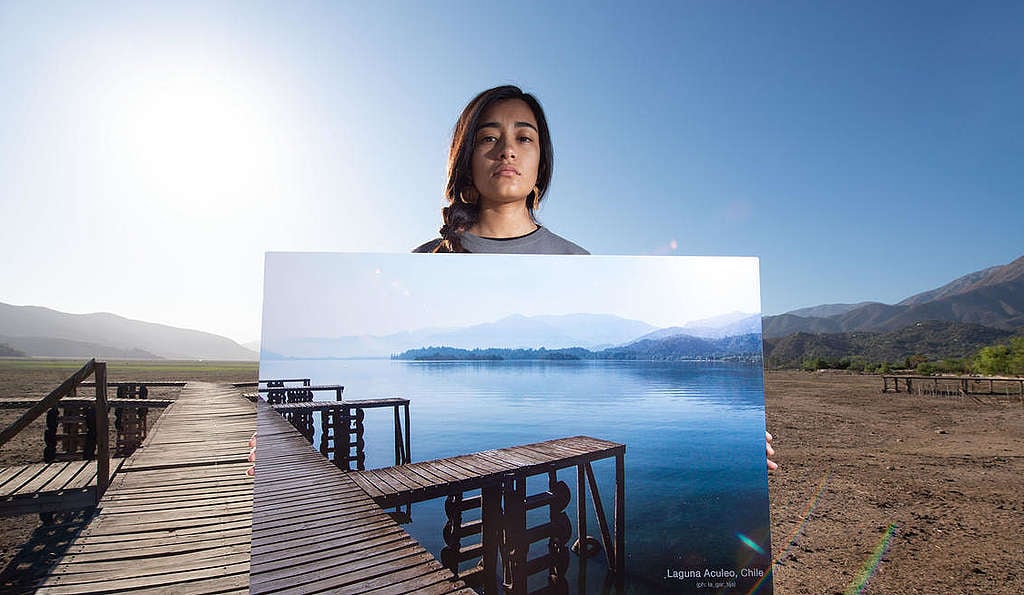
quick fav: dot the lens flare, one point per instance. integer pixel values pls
(868, 570)
(750, 543)
(792, 538)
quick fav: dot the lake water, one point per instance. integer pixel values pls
(696, 485)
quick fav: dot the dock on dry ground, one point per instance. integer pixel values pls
(178, 513)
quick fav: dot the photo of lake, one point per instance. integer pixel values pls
(676, 377)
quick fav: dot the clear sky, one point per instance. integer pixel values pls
(150, 153)
(381, 294)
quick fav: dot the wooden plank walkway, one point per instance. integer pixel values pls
(178, 516)
(415, 482)
(49, 487)
(314, 529)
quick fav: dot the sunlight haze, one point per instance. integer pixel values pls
(151, 154)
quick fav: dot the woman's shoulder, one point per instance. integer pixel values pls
(552, 243)
(428, 246)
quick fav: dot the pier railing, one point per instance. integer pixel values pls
(98, 370)
(489, 552)
(953, 385)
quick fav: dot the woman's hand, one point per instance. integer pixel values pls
(772, 465)
(251, 471)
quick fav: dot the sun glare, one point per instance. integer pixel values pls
(199, 144)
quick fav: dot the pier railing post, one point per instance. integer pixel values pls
(620, 517)
(515, 547)
(399, 448)
(581, 527)
(490, 539)
(602, 520)
(102, 431)
(408, 434)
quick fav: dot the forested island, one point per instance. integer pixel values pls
(675, 348)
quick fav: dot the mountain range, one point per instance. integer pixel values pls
(42, 332)
(935, 340)
(949, 321)
(590, 331)
(671, 348)
(953, 321)
(993, 297)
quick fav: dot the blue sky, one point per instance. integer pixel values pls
(150, 154)
(383, 294)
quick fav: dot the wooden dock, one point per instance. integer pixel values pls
(315, 529)
(181, 516)
(49, 487)
(492, 482)
(500, 476)
(177, 516)
(416, 482)
(953, 385)
(341, 427)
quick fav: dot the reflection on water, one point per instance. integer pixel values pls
(694, 436)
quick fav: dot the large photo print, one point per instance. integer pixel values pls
(591, 424)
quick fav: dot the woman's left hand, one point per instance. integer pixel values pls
(772, 465)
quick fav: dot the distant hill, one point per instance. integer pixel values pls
(936, 340)
(687, 347)
(955, 287)
(591, 331)
(50, 347)
(827, 310)
(594, 332)
(992, 297)
(727, 325)
(8, 351)
(45, 332)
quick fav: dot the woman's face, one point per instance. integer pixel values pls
(506, 157)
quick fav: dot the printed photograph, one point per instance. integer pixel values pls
(579, 424)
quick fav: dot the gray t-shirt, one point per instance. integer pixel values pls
(540, 241)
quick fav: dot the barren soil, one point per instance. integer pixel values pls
(941, 476)
(34, 379)
(944, 472)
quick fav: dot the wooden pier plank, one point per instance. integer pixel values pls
(330, 539)
(46, 474)
(8, 474)
(334, 537)
(50, 487)
(178, 517)
(391, 486)
(72, 476)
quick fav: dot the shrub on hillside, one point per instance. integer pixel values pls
(1001, 359)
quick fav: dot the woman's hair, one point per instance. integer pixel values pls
(461, 214)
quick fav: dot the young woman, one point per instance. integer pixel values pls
(499, 168)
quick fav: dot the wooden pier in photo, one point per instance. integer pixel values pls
(298, 394)
(178, 514)
(493, 481)
(953, 385)
(342, 427)
(316, 529)
(500, 475)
